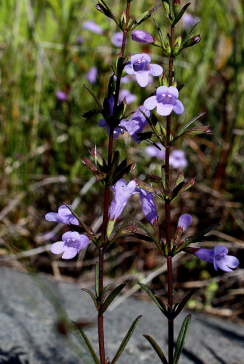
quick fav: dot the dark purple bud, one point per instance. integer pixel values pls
(80, 40)
(191, 42)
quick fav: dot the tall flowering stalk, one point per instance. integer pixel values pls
(111, 172)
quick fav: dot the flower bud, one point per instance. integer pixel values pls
(174, 83)
(164, 80)
(176, 7)
(100, 7)
(143, 37)
(177, 45)
(191, 42)
(166, 6)
(122, 20)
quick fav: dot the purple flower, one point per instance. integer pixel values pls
(125, 94)
(140, 66)
(153, 151)
(117, 39)
(148, 205)
(142, 37)
(189, 20)
(136, 124)
(71, 244)
(184, 221)
(80, 40)
(122, 193)
(166, 100)
(61, 95)
(92, 75)
(63, 216)
(93, 27)
(177, 159)
(218, 258)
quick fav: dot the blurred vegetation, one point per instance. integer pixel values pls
(43, 139)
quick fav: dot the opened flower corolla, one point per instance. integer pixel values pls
(71, 244)
(136, 124)
(218, 258)
(63, 216)
(148, 205)
(166, 100)
(140, 66)
(122, 193)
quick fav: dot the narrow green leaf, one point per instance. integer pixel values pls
(181, 13)
(177, 309)
(189, 34)
(185, 126)
(154, 298)
(160, 34)
(112, 296)
(95, 98)
(105, 292)
(149, 234)
(126, 339)
(86, 228)
(183, 189)
(180, 178)
(87, 343)
(92, 296)
(181, 338)
(97, 279)
(157, 349)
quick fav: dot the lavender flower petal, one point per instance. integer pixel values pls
(61, 95)
(218, 258)
(177, 159)
(137, 123)
(63, 216)
(117, 39)
(148, 205)
(152, 151)
(122, 193)
(166, 100)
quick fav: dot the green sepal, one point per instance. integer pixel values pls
(180, 14)
(160, 34)
(126, 339)
(155, 299)
(166, 6)
(179, 307)
(89, 345)
(111, 297)
(194, 239)
(99, 174)
(114, 165)
(157, 349)
(177, 192)
(180, 178)
(97, 279)
(141, 18)
(109, 228)
(90, 114)
(95, 98)
(123, 226)
(181, 339)
(99, 159)
(189, 34)
(92, 296)
(85, 227)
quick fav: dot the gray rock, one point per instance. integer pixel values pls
(28, 315)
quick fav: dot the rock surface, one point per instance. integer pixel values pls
(28, 317)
